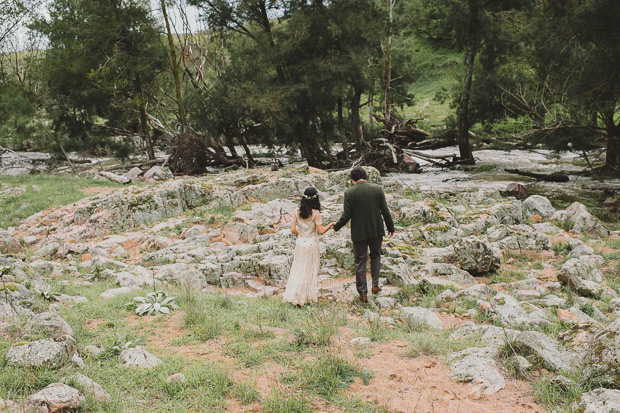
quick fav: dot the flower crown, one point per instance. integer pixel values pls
(310, 196)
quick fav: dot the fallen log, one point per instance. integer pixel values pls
(144, 164)
(121, 179)
(602, 187)
(559, 176)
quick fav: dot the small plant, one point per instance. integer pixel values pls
(49, 295)
(155, 302)
(97, 274)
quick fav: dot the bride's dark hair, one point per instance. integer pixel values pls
(309, 201)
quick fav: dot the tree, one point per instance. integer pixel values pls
(103, 59)
(576, 55)
(474, 28)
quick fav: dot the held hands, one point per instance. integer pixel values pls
(330, 225)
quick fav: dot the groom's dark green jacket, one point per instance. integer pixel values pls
(364, 205)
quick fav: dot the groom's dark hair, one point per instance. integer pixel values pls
(358, 173)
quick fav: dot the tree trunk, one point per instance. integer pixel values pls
(371, 120)
(144, 125)
(310, 150)
(388, 63)
(246, 148)
(175, 69)
(612, 155)
(463, 108)
(357, 123)
(343, 136)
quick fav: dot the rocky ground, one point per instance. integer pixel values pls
(488, 303)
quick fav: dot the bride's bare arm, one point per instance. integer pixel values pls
(294, 227)
(319, 225)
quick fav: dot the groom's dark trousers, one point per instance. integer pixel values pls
(366, 207)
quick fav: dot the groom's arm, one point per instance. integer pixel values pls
(387, 216)
(346, 214)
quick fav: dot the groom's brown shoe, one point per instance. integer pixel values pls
(375, 290)
(363, 298)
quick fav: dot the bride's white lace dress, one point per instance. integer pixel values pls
(302, 285)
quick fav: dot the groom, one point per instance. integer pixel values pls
(365, 205)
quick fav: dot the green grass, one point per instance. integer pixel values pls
(56, 190)
(280, 401)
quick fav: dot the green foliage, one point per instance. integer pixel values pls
(318, 328)
(55, 191)
(155, 302)
(286, 402)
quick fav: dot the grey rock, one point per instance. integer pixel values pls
(478, 366)
(486, 333)
(547, 350)
(598, 401)
(89, 386)
(580, 250)
(360, 341)
(586, 267)
(546, 228)
(50, 324)
(423, 317)
(538, 205)
(385, 302)
(476, 256)
(509, 213)
(93, 350)
(451, 272)
(441, 234)
(57, 397)
(8, 243)
(49, 352)
(139, 357)
(601, 365)
(115, 292)
(582, 221)
(586, 288)
(182, 274)
(516, 314)
(518, 237)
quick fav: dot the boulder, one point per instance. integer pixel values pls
(8, 243)
(451, 272)
(601, 365)
(477, 256)
(53, 353)
(517, 237)
(486, 333)
(586, 267)
(547, 351)
(50, 324)
(138, 357)
(442, 234)
(115, 292)
(89, 386)
(478, 366)
(57, 397)
(581, 220)
(586, 288)
(423, 317)
(182, 274)
(516, 314)
(598, 401)
(508, 213)
(516, 190)
(538, 205)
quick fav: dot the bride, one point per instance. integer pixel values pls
(302, 285)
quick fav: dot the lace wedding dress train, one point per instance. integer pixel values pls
(302, 285)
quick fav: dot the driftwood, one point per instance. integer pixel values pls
(401, 132)
(602, 187)
(559, 176)
(144, 164)
(121, 179)
(386, 157)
